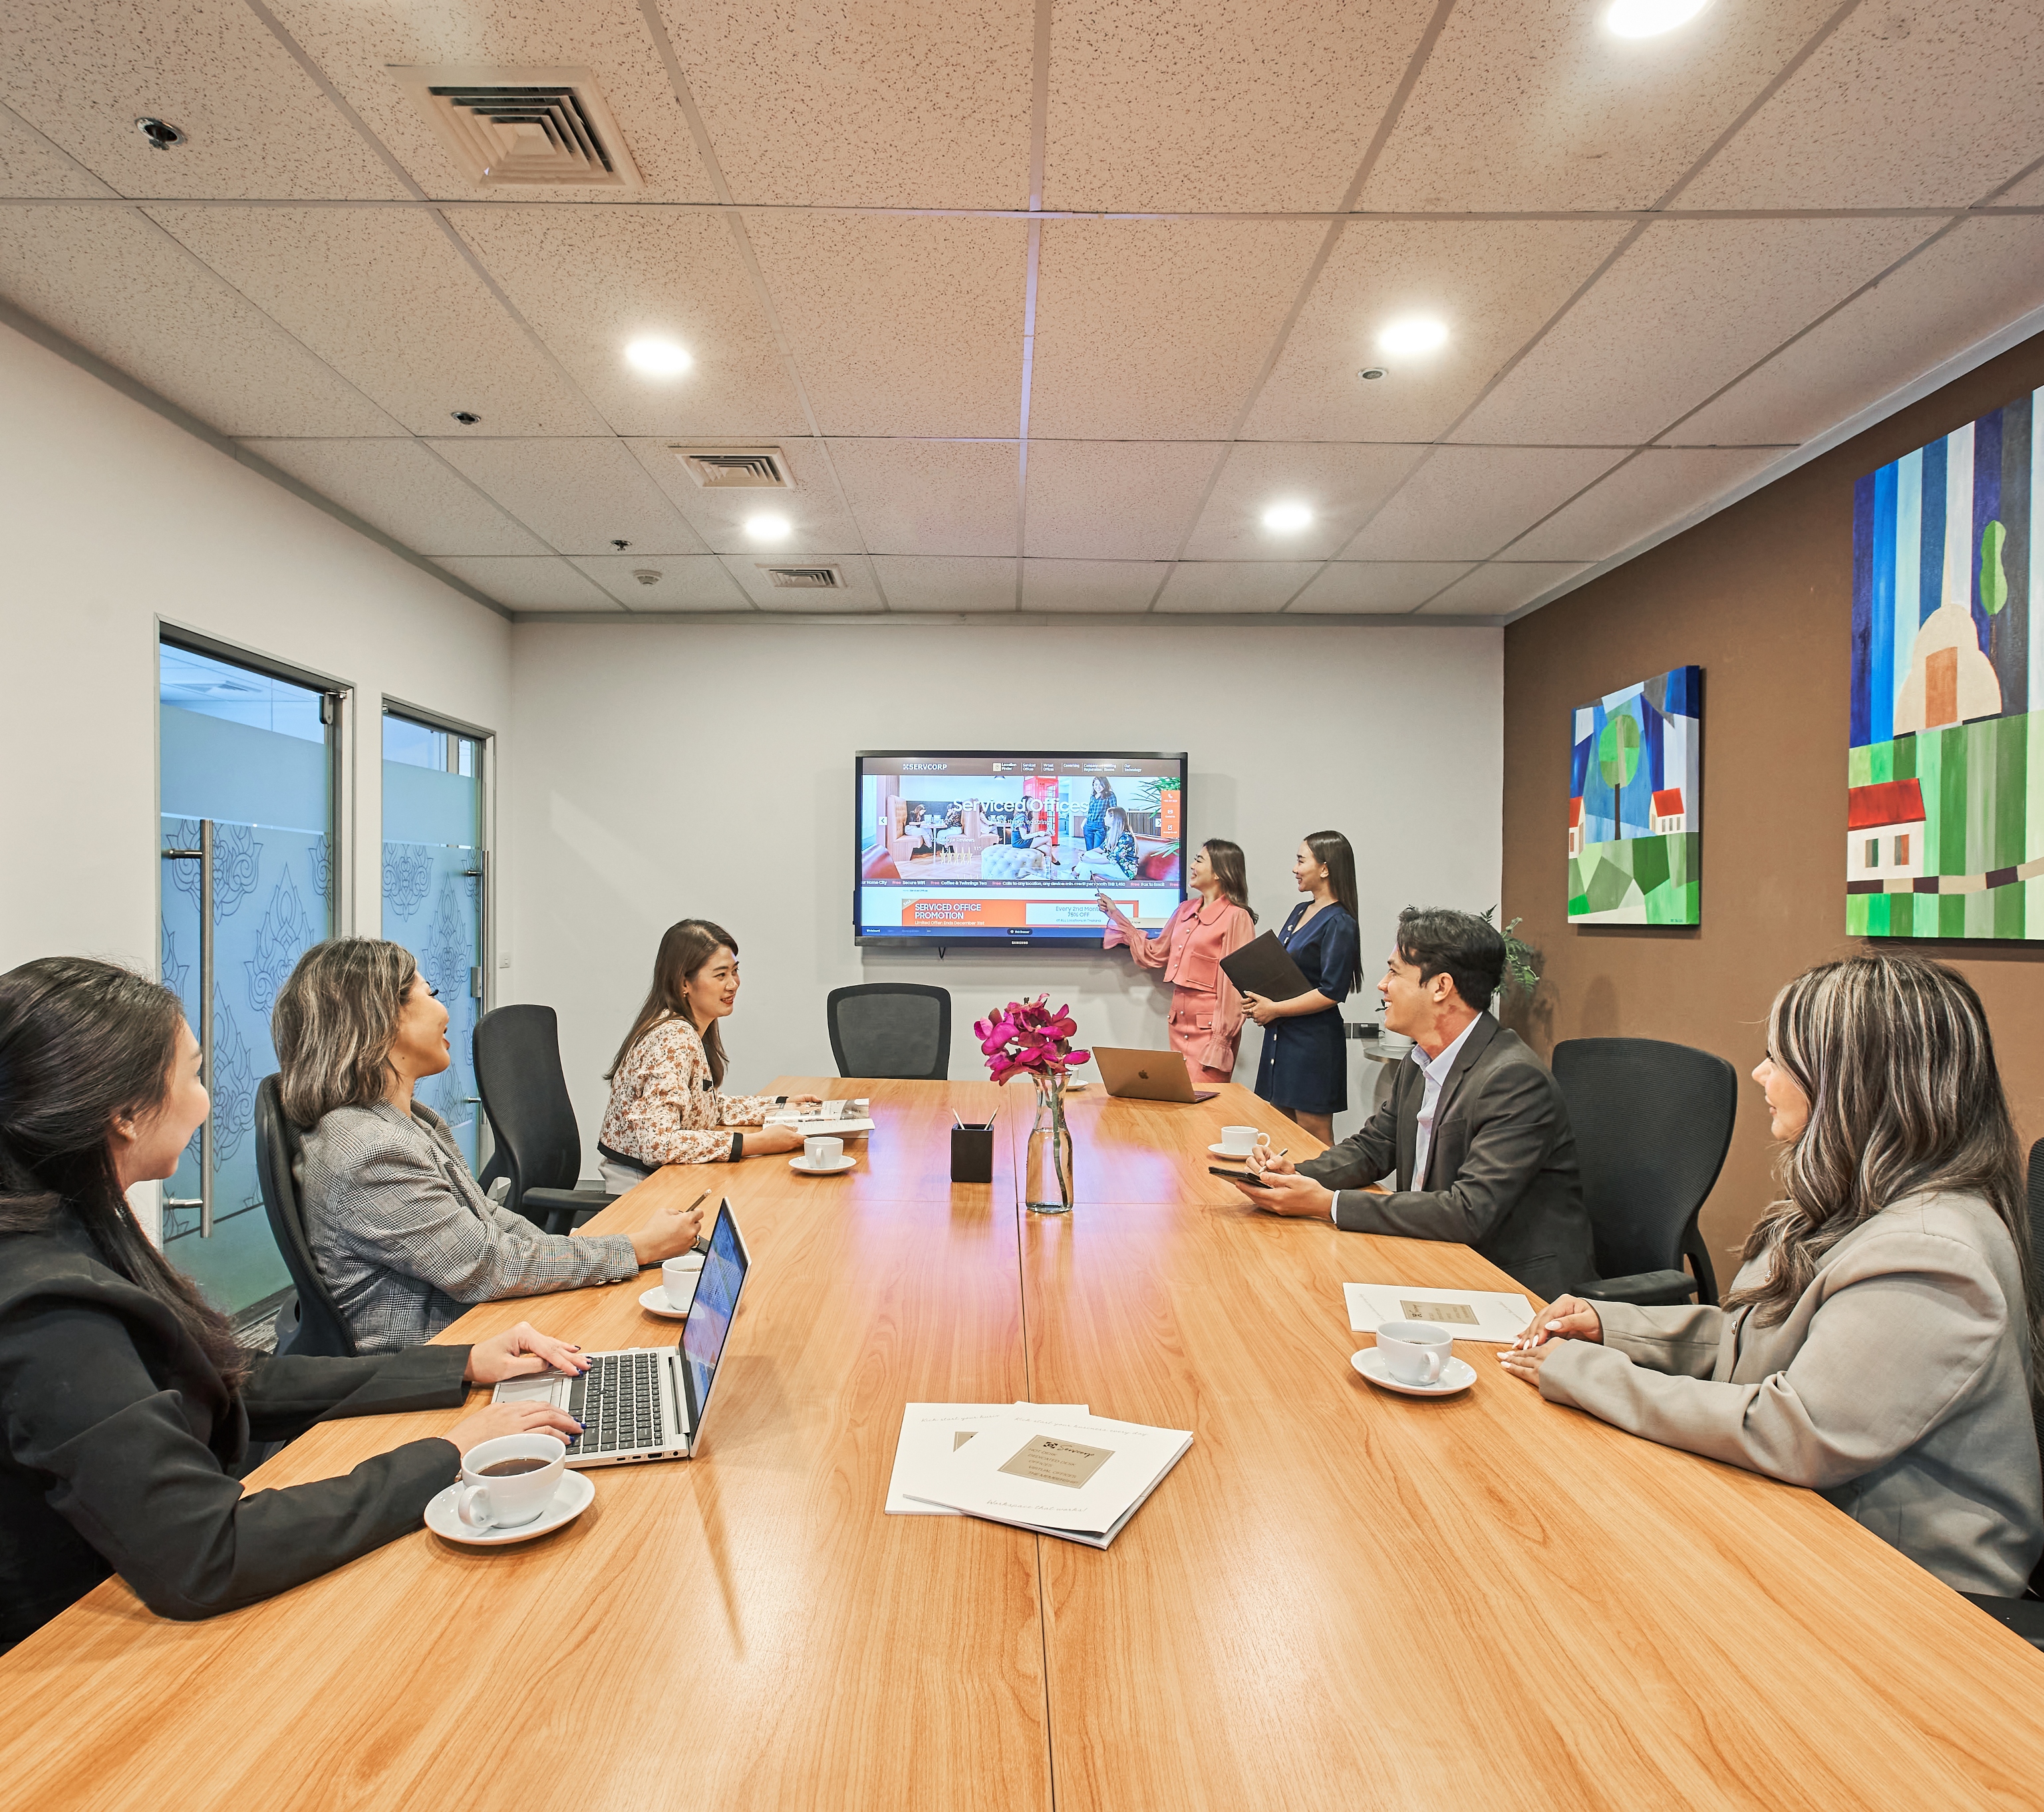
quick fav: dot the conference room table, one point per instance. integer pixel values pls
(1340, 1597)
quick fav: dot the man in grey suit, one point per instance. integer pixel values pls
(1474, 1126)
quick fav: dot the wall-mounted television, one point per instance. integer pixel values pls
(978, 846)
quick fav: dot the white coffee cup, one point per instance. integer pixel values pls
(819, 1152)
(511, 1500)
(679, 1276)
(1238, 1141)
(1416, 1352)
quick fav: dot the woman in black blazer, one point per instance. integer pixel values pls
(130, 1409)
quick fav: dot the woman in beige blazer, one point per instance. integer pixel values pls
(1875, 1344)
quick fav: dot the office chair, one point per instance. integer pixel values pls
(1653, 1122)
(313, 1324)
(899, 1030)
(518, 1074)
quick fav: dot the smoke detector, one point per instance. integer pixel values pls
(719, 468)
(521, 128)
(647, 574)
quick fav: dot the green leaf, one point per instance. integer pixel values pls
(1993, 581)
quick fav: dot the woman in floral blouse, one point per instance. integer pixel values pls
(667, 1106)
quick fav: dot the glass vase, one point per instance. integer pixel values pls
(1047, 1173)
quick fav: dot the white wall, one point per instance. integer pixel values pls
(110, 518)
(672, 770)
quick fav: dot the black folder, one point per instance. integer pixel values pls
(1264, 967)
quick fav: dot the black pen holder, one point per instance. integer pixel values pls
(972, 1154)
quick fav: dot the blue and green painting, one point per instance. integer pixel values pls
(1945, 778)
(1635, 818)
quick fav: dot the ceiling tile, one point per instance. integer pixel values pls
(917, 583)
(2028, 193)
(1658, 487)
(1492, 283)
(384, 297)
(1380, 586)
(1341, 486)
(1532, 104)
(933, 496)
(914, 103)
(1689, 306)
(1114, 499)
(1930, 104)
(900, 326)
(546, 583)
(1090, 585)
(31, 165)
(577, 496)
(818, 522)
(1156, 330)
(356, 45)
(1205, 105)
(1981, 276)
(1466, 502)
(255, 123)
(1492, 590)
(592, 280)
(687, 582)
(1234, 585)
(399, 486)
(858, 595)
(123, 289)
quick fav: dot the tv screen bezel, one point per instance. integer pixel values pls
(1012, 937)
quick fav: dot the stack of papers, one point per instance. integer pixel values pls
(853, 1113)
(1497, 1316)
(1049, 1467)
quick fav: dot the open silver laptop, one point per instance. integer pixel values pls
(648, 1402)
(1146, 1075)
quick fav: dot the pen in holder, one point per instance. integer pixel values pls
(972, 1153)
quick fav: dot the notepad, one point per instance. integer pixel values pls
(1497, 1316)
(933, 1430)
(1264, 967)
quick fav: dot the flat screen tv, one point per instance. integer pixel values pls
(975, 847)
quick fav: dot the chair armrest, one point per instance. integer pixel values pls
(1647, 1289)
(2023, 1615)
(563, 1210)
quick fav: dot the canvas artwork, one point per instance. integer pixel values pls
(1635, 821)
(1945, 809)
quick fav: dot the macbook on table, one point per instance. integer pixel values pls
(1146, 1075)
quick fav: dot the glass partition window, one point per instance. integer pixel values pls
(433, 892)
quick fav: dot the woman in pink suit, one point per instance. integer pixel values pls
(1206, 1012)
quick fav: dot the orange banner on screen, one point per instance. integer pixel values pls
(1167, 813)
(964, 912)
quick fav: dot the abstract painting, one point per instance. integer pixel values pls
(1635, 818)
(1944, 805)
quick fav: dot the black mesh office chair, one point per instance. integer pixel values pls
(538, 1146)
(1653, 1122)
(314, 1325)
(899, 1030)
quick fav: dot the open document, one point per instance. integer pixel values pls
(841, 1119)
(1078, 1477)
(932, 1431)
(1498, 1316)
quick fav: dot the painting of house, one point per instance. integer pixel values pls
(1945, 817)
(1635, 829)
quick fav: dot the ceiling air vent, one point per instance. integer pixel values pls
(522, 128)
(719, 468)
(803, 578)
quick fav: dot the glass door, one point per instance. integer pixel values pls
(435, 891)
(247, 767)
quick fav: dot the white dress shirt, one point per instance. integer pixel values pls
(1436, 1073)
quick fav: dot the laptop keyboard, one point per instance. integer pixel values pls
(617, 1401)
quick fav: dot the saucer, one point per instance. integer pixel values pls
(574, 1495)
(1219, 1150)
(654, 1302)
(1457, 1374)
(808, 1169)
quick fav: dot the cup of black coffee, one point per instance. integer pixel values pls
(509, 1481)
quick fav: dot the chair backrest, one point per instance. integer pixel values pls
(518, 1074)
(897, 1029)
(1652, 1123)
(323, 1331)
(2036, 1264)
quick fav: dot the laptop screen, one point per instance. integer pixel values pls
(704, 1333)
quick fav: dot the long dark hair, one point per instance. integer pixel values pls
(82, 1045)
(685, 947)
(1895, 1056)
(1330, 849)
(1230, 871)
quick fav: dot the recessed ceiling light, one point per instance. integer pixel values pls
(1414, 334)
(768, 528)
(658, 358)
(1286, 519)
(1649, 18)
(160, 133)
(467, 418)
(1371, 373)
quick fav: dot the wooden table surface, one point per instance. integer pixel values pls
(1339, 1597)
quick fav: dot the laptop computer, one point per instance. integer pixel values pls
(648, 1402)
(1146, 1075)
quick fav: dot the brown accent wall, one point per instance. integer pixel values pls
(1759, 596)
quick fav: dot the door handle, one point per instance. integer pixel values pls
(204, 1202)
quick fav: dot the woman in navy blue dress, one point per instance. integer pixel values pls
(1304, 1070)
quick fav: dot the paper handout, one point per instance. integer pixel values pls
(933, 1430)
(1497, 1316)
(843, 1117)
